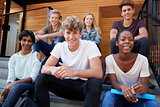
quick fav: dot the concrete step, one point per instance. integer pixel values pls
(3, 74)
(4, 62)
(3, 70)
(55, 104)
(3, 83)
(56, 101)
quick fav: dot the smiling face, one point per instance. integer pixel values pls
(26, 43)
(88, 20)
(127, 12)
(125, 42)
(54, 19)
(72, 38)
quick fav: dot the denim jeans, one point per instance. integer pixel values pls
(89, 90)
(44, 47)
(114, 100)
(141, 46)
(15, 93)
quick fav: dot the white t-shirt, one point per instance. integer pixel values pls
(139, 69)
(78, 59)
(23, 66)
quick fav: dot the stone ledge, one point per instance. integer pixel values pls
(4, 66)
(54, 98)
(4, 58)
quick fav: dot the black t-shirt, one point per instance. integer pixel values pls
(134, 27)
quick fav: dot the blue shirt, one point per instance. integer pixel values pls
(92, 35)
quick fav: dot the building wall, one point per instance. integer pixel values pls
(1, 18)
(13, 8)
(105, 11)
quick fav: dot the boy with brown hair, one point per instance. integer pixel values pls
(79, 76)
(136, 26)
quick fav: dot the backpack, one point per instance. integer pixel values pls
(26, 100)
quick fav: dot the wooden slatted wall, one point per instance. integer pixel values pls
(36, 20)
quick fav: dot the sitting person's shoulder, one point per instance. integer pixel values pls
(15, 54)
(87, 42)
(38, 55)
(109, 58)
(142, 57)
(118, 22)
(138, 22)
(61, 45)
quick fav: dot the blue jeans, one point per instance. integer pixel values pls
(114, 100)
(15, 93)
(141, 46)
(44, 47)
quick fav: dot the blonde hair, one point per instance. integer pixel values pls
(72, 23)
(94, 25)
(54, 11)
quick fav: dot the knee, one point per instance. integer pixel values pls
(108, 99)
(153, 103)
(16, 87)
(37, 43)
(41, 78)
(108, 95)
(40, 41)
(94, 84)
(144, 40)
(36, 46)
(60, 39)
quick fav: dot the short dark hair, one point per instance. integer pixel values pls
(119, 33)
(27, 33)
(127, 2)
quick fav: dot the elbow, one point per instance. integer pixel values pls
(61, 34)
(100, 75)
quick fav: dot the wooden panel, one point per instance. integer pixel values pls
(36, 20)
(116, 2)
(15, 7)
(106, 25)
(74, 7)
(115, 11)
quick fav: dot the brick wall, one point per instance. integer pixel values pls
(1, 18)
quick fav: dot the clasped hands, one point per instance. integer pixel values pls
(38, 37)
(59, 72)
(130, 92)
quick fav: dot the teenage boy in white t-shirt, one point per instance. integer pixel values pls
(79, 76)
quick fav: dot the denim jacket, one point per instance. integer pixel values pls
(92, 35)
